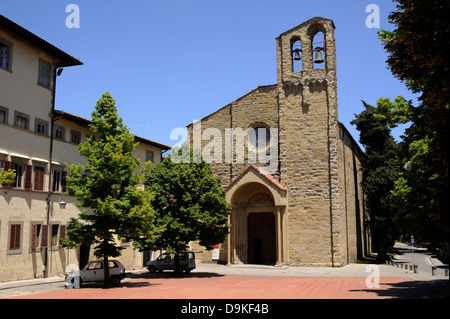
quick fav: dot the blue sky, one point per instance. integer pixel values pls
(168, 63)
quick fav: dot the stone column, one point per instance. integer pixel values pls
(279, 236)
(228, 243)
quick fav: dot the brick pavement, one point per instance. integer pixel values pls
(232, 286)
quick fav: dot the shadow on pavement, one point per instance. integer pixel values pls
(123, 284)
(172, 275)
(433, 289)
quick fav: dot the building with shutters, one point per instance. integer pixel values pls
(291, 170)
(36, 141)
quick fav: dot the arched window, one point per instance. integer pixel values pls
(296, 50)
(318, 50)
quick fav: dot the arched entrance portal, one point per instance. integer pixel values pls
(257, 219)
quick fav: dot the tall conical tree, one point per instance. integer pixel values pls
(108, 186)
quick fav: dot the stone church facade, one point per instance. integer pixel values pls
(291, 170)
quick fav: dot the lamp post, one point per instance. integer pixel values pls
(56, 73)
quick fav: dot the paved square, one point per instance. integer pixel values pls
(230, 286)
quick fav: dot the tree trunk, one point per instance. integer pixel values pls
(177, 268)
(382, 254)
(106, 283)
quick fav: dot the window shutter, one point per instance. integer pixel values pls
(53, 179)
(64, 182)
(6, 166)
(28, 175)
(62, 232)
(44, 236)
(34, 236)
(14, 240)
(38, 178)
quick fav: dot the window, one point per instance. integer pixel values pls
(259, 136)
(162, 257)
(20, 168)
(3, 115)
(54, 239)
(5, 54)
(41, 127)
(15, 233)
(149, 156)
(59, 132)
(39, 173)
(35, 235)
(21, 120)
(75, 137)
(44, 73)
(59, 181)
(95, 265)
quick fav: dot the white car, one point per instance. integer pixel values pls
(94, 272)
(166, 261)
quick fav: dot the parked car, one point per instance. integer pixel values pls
(94, 272)
(166, 261)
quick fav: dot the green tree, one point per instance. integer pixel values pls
(189, 202)
(380, 169)
(418, 51)
(411, 195)
(109, 187)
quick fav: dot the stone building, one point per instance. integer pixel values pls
(290, 168)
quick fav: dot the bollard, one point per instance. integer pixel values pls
(433, 271)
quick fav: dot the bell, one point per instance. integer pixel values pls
(319, 58)
(297, 55)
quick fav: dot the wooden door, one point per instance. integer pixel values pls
(261, 238)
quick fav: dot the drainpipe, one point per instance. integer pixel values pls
(56, 73)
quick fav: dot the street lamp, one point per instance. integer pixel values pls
(62, 203)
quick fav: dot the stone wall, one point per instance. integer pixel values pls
(351, 197)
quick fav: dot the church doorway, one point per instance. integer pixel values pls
(257, 234)
(261, 238)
